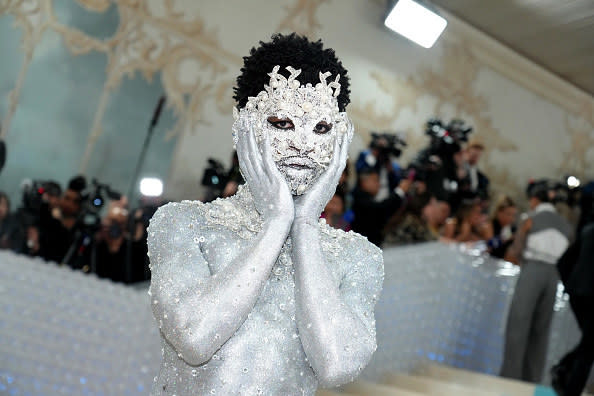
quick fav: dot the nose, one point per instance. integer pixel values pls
(301, 150)
(299, 144)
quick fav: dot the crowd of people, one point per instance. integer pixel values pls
(84, 226)
(441, 195)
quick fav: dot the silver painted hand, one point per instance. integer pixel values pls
(309, 205)
(271, 193)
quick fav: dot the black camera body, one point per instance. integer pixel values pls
(32, 199)
(215, 175)
(446, 140)
(32, 195)
(435, 163)
(388, 144)
(92, 201)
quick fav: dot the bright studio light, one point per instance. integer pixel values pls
(416, 23)
(573, 182)
(151, 187)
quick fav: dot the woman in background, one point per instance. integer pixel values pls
(469, 224)
(502, 226)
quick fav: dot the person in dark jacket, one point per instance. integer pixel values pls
(576, 268)
(370, 214)
(117, 254)
(58, 225)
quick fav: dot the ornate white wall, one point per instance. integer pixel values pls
(533, 123)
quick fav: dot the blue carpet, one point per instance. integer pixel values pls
(544, 391)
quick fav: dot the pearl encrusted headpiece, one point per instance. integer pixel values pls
(295, 98)
(305, 106)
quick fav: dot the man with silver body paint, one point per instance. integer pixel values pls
(254, 294)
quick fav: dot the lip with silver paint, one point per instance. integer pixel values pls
(300, 163)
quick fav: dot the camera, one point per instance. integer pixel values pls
(32, 198)
(214, 178)
(447, 139)
(214, 175)
(388, 144)
(93, 201)
(435, 163)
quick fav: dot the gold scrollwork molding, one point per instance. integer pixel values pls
(148, 40)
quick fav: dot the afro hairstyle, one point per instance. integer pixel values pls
(289, 50)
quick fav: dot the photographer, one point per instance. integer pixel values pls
(474, 182)
(57, 225)
(39, 200)
(439, 165)
(214, 179)
(381, 156)
(52, 194)
(371, 214)
(116, 254)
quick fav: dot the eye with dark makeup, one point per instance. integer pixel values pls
(322, 128)
(281, 123)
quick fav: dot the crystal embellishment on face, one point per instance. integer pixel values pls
(299, 149)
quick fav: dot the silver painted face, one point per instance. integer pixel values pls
(302, 144)
(302, 123)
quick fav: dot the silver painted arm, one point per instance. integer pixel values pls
(335, 316)
(198, 311)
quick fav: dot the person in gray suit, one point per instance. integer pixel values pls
(543, 237)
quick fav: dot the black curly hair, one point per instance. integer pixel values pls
(289, 50)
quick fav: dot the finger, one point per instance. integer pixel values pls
(341, 150)
(271, 168)
(336, 166)
(255, 156)
(244, 158)
(244, 165)
(346, 140)
(344, 151)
